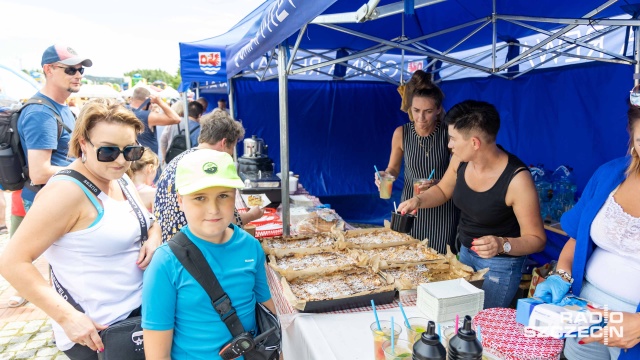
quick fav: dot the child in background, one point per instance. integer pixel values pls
(179, 321)
(142, 172)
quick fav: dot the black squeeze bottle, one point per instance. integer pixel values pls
(464, 345)
(428, 347)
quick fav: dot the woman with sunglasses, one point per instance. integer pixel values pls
(601, 260)
(90, 224)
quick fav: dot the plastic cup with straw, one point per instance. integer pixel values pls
(433, 171)
(393, 337)
(375, 313)
(406, 321)
(378, 172)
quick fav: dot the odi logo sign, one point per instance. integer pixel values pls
(210, 62)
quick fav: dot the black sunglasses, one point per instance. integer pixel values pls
(111, 153)
(71, 70)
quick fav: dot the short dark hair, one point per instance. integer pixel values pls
(195, 109)
(472, 115)
(222, 100)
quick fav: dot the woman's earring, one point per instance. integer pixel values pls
(83, 157)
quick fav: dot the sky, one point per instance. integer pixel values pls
(117, 35)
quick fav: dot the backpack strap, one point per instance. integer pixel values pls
(194, 129)
(196, 264)
(44, 101)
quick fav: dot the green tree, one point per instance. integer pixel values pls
(157, 74)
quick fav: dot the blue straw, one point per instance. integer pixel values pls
(433, 171)
(393, 338)
(378, 172)
(478, 334)
(406, 321)
(439, 331)
(375, 313)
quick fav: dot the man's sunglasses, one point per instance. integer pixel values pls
(111, 153)
(71, 70)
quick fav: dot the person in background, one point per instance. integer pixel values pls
(3, 208)
(17, 212)
(601, 260)
(170, 131)
(219, 132)
(222, 106)
(422, 145)
(204, 103)
(500, 219)
(73, 107)
(45, 142)
(93, 243)
(175, 322)
(195, 111)
(142, 172)
(141, 102)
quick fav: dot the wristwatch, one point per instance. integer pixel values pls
(506, 245)
(563, 274)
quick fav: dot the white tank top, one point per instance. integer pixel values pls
(616, 258)
(97, 265)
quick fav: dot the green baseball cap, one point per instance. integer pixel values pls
(206, 168)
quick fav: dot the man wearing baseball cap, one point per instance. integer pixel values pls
(45, 127)
(206, 182)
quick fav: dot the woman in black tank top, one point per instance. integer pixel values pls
(500, 219)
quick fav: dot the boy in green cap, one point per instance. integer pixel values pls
(179, 321)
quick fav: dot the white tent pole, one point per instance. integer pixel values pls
(636, 55)
(402, 61)
(284, 136)
(197, 91)
(494, 37)
(232, 111)
(185, 120)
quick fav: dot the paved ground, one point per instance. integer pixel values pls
(25, 332)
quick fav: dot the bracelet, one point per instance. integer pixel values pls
(563, 274)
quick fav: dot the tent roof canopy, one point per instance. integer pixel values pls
(463, 35)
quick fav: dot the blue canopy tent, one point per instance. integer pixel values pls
(555, 70)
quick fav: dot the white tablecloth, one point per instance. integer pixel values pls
(337, 336)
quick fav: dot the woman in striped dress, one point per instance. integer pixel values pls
(422, 143)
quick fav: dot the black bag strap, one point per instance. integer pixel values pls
(63, 292)
(136, 209)
(195, 263)
(44, 101)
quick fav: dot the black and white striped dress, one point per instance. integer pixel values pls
(421, 155)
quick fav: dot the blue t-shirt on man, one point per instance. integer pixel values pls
(173, 300)
(195, 127)
(148, 137)
(38, 130)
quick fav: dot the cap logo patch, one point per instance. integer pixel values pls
(71, 51)
(210, 168)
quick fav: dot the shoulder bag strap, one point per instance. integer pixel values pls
(195, 263)
(136, 209)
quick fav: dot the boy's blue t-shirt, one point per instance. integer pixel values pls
(173, 299)
(38, 130)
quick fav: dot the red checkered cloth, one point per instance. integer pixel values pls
(505, 338)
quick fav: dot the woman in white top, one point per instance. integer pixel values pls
(601, 260)
(85, 222)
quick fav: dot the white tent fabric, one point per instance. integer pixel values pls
(16, 84)
(97, 91)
